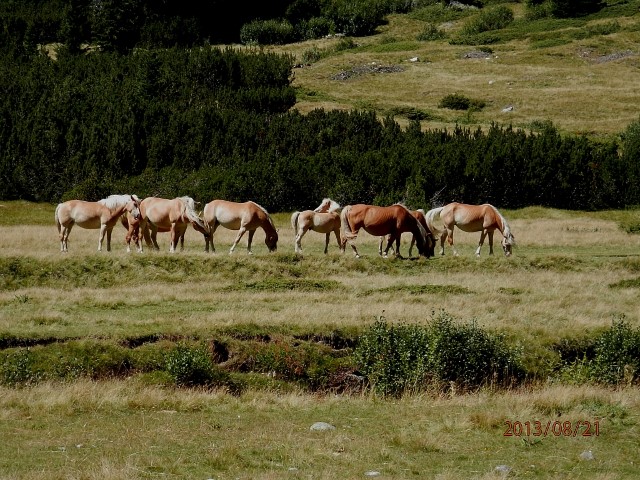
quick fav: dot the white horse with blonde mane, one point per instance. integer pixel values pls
(168, 215)
(102, 214)
(323, 219)
(244, 217)
(470, 218)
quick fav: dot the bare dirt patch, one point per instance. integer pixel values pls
(366, 69)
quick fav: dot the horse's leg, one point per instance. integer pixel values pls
(443, 237)
(154, 237)
(103, 231)
(340, 246)
(109, 231)
(64, 237)
(450, 240)
(238, 237)
(413, 242)
(209, 238)
(297, 244)
(249, 240)
(490, 233)
(380, 245)
(326, 242)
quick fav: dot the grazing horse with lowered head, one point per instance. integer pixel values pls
(431, 242)
(470, 218)
(102, 214)
(393, 220)
(324, 219)
(168, 215)
(244, 217)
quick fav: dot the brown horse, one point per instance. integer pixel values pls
(103, 214)
(168, 215)
(431, 242)
(470, 218)
(244, 217)
(393, 220)
(324, 219)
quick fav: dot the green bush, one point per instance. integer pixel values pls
(17, 369)
(614, 358)
(399, 358)
(456, 101)
(191, 366)
(267, 32)
(493, 18)
(430, 32)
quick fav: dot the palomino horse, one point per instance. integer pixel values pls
(102, 214)
(431, 242)
(244, 217)
(324, 219)
(380, 221)
(470, 218)
(168, 215)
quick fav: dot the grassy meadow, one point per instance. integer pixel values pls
(573, 72)
(572, 274)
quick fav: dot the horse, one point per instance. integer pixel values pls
(431, 242)
(470, 218)
(324, 219)
(393, 220)
(244, 217)
(169, 215)
(102, 214)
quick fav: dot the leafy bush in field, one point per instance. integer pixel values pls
(430, 32)
(191, 366)
(493, 18)
(399, 358)
(16, 368)
(456, 101)
(267, 32)
(614, 360)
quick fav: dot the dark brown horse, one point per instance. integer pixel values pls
(470, 218)
(393, 221)
(431, 242)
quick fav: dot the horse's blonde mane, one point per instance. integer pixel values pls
(333, 205)
(115, 201)
(190, 211)
(506, 229)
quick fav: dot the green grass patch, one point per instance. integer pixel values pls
(419, 290)
(277, 285)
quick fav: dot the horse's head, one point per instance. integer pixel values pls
(507, 243)
(430, 245)
(271, 241)
(133, 207)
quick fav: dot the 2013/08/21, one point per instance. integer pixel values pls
(555, 428)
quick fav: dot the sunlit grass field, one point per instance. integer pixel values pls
(566, 279)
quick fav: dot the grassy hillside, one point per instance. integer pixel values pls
(577, 73)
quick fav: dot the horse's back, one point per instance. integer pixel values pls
(228, 214)
(470, 218)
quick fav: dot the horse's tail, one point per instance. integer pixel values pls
(346, 232)
(430, 217)
(57, 217)
(194, 218)
(294, 221)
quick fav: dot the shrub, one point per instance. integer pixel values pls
(191, 365)
(267, 32)
(493, 18)
(397, 358)
(430, 32)
(615, 358)
(16, 368)
(456, 101)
